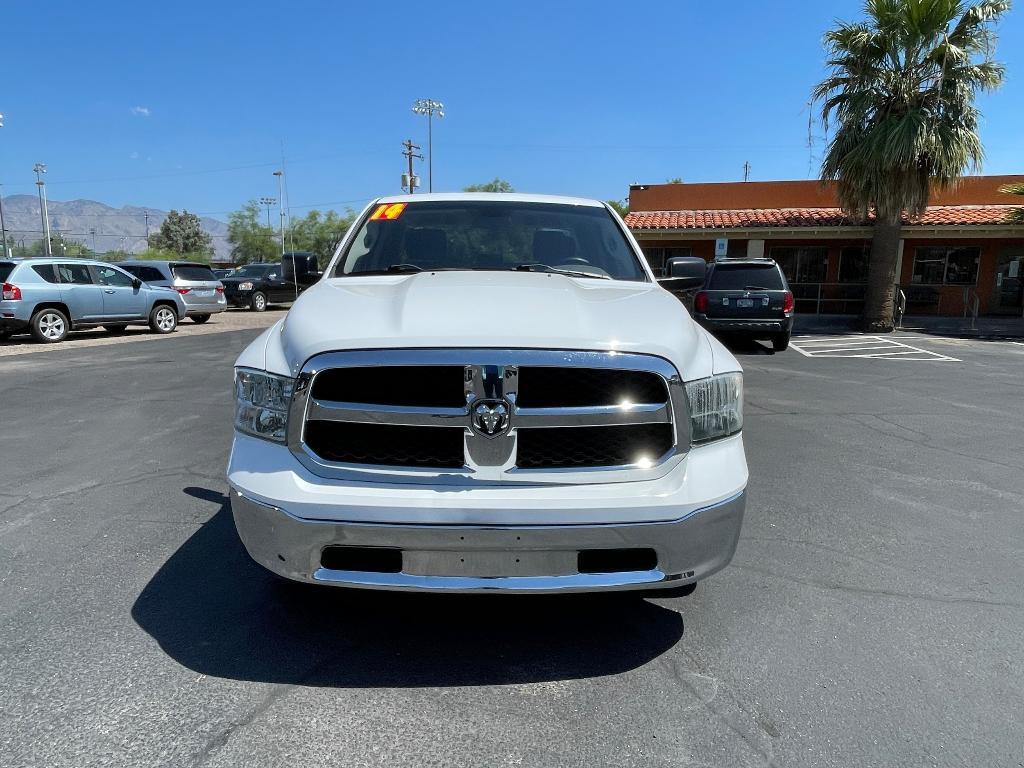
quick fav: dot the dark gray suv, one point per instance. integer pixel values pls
(746, 297)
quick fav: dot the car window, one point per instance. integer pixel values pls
(737, 278)
(113, 277)
(6, 267)
(45, 271)
(149, 274)
(251, 271)
(193, 272)
(76, 274)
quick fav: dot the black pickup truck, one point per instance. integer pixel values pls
(256, 286)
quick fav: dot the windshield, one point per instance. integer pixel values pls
(490, 235)
(253, 270)
(746, 277)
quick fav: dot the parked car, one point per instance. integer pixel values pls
(256, 286)
(490, 393)
(748, 297)
(198, 286)
(49, 297)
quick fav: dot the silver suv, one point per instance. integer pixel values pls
(51, 297)
(200, 289)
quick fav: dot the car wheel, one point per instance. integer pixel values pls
(780, 342)
(5, 333)
(200, 319)
(163, 319)
(50, 326)
(115, 329)
(258, 302)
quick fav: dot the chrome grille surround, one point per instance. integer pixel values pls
(490, 375)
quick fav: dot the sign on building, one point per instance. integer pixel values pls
(721, 247)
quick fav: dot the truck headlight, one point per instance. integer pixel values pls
(261, 404)
(245, 286)
(716, 406)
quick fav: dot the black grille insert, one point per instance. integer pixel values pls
(553, 448)
(366, 559)
(440, 386)
(616, 560)
(542, 387)
(388, 444)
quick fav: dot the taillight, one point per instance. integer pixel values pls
(788, 303)
(11, 292)
(700, 302)
(183, 291)
(219, 289)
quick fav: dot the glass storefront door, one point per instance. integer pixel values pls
(1008, 291)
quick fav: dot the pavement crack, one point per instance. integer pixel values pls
(881, 592)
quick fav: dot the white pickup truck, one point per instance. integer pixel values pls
(490, 392)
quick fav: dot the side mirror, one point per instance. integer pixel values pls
(683, 272)
(136, 283)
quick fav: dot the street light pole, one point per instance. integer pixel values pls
(428, 107)
(40, 169)
(268, 201)
(3, 229)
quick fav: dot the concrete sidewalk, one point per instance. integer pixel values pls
(957, 327)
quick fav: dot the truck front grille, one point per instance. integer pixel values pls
(471, 410)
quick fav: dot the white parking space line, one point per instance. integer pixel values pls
(864, 347)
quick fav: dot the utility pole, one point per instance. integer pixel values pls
(280, 197)
(146, 214)
(410, 180)
(746, 171)
(429, 107)
(92, 231)
(40, 169)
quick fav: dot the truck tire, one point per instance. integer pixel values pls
(200, 319)
(50, 326)
(780, 342)
(163, 319)
(258, 302)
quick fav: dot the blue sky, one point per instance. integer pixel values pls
(187, 104)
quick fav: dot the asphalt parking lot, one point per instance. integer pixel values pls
(873, 615)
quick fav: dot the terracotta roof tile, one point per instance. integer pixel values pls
(944, 215)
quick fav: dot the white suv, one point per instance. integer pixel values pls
(490, 392)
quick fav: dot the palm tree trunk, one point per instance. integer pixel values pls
(879, 302)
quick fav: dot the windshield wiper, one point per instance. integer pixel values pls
(755, 288)
(557, 271)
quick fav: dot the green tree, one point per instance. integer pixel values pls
(621, 207)
(899, 107)
(251, 241)
(319, 233)
(495, 185)
(59, 246)
(674, 180)
(1017, 215)
(182, 233)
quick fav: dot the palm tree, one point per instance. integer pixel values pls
(899, 107)
(1016, 215)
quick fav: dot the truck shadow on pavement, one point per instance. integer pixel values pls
(218, 613)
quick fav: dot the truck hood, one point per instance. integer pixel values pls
(485, 310)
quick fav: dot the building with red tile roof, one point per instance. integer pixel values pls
(963, 246)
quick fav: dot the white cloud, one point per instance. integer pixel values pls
(134, 156)
(140, 111)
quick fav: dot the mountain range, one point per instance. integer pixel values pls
(96, 225)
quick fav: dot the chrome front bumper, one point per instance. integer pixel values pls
(523, 559)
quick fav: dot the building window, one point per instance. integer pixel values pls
(853, 264)
(657, 257)
(946, 265)
(802, 264)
